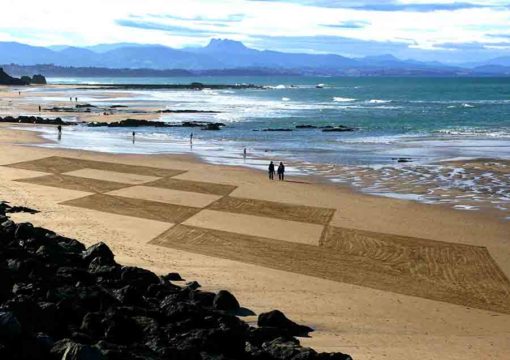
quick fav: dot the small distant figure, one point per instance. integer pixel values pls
(76, 99)
(39, 108)
(59, 128)
(244, 153)
(134, 137)
(19, 93)
(271, 171)
(191, 138)
(71, 99)
(281, 171)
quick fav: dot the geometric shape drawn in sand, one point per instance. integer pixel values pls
(58, 164)
(451, 272)
(314, 215)
(53, 165)
(134, 207)
(105, 175)
(74, 183)
(284, 230)
(193, 186)
(360, 267)
(169, 196)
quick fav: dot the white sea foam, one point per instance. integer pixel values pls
(342, 99)
(379, 101)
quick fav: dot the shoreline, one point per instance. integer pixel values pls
(298, 172)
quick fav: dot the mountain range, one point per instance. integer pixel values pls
(226, 55)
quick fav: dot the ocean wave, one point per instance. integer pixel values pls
(285, 99)
(378, 101)
(503, 133)
(342, 99)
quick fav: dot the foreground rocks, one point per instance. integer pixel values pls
(61, 300)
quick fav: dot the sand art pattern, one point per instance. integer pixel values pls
(204, 218)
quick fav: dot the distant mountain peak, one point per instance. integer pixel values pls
(225, 45)
(383, 57)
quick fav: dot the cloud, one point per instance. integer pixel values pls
(174, 29)
(349, 25)
(386, 5)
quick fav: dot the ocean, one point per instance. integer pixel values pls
(431, 121)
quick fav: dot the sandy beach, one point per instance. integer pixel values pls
(376, 277)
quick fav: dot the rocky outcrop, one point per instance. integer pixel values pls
(339, 128)
(60, 301)
(203, 125)
(38, 80)
(35, 120)
(6, 79)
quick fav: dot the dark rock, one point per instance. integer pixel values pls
(204, 298)
(193, 285)
(22, 209)
(402, 159)
(10, 328)
(121, 329)
(339, 128)
(9, 80)
(137, 277)
(81, 106)
(34, 120)
(288, 349)
(101, 251)
(278, 320)
(224, 300)
(69, 350)
(26, 79)
(38, 79)
(213, 127)
(306, 127)
(173, 276)
(277, 129)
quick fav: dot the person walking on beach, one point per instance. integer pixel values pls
(244, 153)
(39, 108)
(76, 99)
(71, 99)
(59, 129)
(271, 171)
(191, 138)
(281, 171)
(134, 137)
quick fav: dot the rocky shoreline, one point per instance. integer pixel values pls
(61, 300)
(35, 120)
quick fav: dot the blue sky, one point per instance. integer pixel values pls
(443, 30)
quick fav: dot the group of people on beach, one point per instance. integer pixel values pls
(280, 171)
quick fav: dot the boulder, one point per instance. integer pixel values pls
(10, 328)
(99, 251)
(225, 301)
(278, 320)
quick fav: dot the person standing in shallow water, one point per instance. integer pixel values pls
(59, 129)
(134, 137)
(271, 171)
(281, 171)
